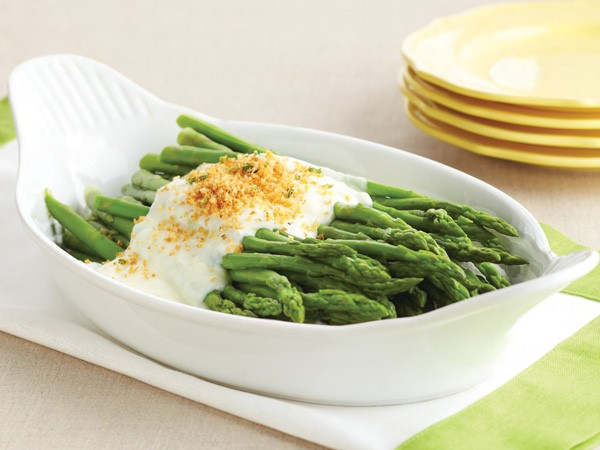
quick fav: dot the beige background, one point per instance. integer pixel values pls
(330, 65)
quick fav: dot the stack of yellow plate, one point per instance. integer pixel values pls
(517, 81)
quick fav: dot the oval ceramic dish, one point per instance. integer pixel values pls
(535, 53)
(563, 158)
(80, 122)
(501, 112)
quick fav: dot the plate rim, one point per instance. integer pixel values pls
(512, 98)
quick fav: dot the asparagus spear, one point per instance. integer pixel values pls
(129, 198)
(258, 289)
(465, 251)
(295, 248)
(495, 278)
(427, 260)
(110, 233)
(480, 217)
(409, 238)
(84, 257)
(144, 179)
(290, 298)
(338, 256)
(376, 189)
(271, 235)
(71, 242)
(259, 305)
(477, 285)
(151, 162)
(237, 261)
(73, 222)
(193, 156)
(330, 305)
(189, 136)
(411, 303)
(385, 288)
(119, 207)
(338, 307)
(369, 216)
(144, 195)
(435, 221)
(217, 303)
(330, 232)
(218, 135)
(121, 224)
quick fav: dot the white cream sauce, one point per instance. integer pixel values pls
(185, 271)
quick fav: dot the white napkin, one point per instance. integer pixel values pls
(32, 307)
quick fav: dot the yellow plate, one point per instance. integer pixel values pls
(511, 151)
(502, 131)
(502, 112)
(538, 53)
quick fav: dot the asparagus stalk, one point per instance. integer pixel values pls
(73, 222)
(338, 256)
(193, 156)
(189, 136)
(110, 233)
(217, 303)
(493, 276)
(409, 238)
(151, 162)
(259, 305)
(120, 224)
(455, 210)
(464, 251)
(338, 307)
(83, 257)
(218, 135)
(331, 232)
(144, 179)
(290, 298)
(238, 261)
(143, 195)
(427, 260)
(385, 288)
(295, 248)
(272, 235)
(129, 198)
(433, 221)
(71, 242)
(366, 215)
(376, 189)
(119, 207)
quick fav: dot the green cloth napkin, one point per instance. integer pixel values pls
(7, 127)
(553, 404)
(586, 287)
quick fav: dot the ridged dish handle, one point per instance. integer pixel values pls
(58, 95)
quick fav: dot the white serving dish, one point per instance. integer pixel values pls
(80, 122)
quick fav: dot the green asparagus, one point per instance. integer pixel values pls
(144, 179)
(189, 136)
(193, 156)
(151, 162)
(290, 298)
(73, 222)
(218, 135)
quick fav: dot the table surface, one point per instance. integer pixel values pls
(327, 65)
